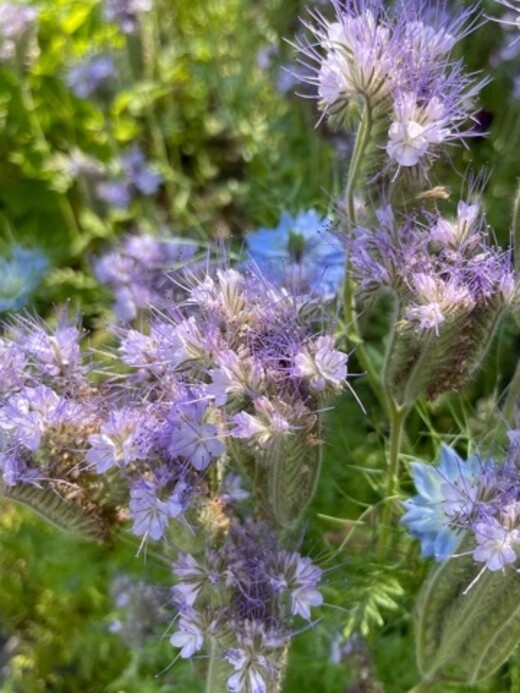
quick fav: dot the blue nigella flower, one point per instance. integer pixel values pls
(444, 492)
(19, 276)
(297, 255)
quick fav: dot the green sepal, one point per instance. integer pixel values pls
(465, 624)
(431, 363)
(293, 469)
(58, 511)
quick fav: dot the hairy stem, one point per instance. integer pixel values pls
(516, 232)
(354, 334)
(398, 416)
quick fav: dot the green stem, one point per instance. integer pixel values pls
(516, 232)
(398, 416)
(218, 671)
(362, 140)
(354, 333)
(141, 52)
(513, 396)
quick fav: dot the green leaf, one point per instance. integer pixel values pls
(470, 628)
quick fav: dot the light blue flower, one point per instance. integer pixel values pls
(19, 276)
(443, 493)
(298, 255)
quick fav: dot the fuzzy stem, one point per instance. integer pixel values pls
(513, 396)
(398, 416)
(217, 668)
(362, 141)
(354, 335)
(516, 232)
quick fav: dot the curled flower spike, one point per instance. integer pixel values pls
(397, 64)
(244, 592)
(451, 286)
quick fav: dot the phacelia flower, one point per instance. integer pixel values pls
(188, 435)
(142, 271)
(92, 76)
(398, 62)
(119, 442)
(322, 366)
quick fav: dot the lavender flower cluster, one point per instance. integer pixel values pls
(118, 182)
(16, 22)
(223, 369)
(398, 63)
(226, 381)
(441, 270)
(144, 272)
(477, 498)
(242, 596)
(450, 286)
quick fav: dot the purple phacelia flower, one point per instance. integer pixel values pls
(261, 428)
(13, 363)
(151, 514)
(143, 272)
(115, 193)
(235, 376)
(53, 353)
(188, 435)
(298, 255)
(395, 61)
(28, 414)
(91, 77)
(192, 578)
(495, 544)
(249, 671)
(300, 578)
(122, 439)
(190, 635)
(321, 365)
(138, 174)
